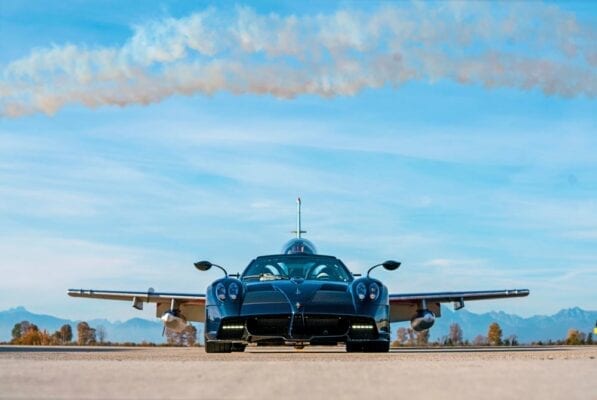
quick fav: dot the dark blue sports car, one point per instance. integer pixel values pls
(297, 298)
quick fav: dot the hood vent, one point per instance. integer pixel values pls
(334, 287)
(260, 287)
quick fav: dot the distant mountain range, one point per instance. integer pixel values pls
(538, 327)
(134, 330)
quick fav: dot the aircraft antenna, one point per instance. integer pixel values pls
(298, 231)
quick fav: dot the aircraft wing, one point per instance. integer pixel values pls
(190, 306)
(404, 306)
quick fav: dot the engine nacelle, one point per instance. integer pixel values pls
(173, 322)
(423, 320)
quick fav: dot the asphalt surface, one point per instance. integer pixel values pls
(312, 373)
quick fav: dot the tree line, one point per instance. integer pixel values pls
(494, 337)
(27, 333)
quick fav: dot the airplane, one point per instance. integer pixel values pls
(297, 297)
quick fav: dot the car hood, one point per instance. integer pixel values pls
(306, 296)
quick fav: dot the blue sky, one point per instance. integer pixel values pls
(461, 141)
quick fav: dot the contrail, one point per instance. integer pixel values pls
(522, 46)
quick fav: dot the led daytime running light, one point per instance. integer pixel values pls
(362, 326)
(233, 327)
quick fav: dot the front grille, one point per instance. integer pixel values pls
(303, 326)
(321, 326)
(269, 326)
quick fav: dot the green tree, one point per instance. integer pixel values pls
(56, 339)
(494, 334)
(20, 329)
(589, 338)
(63, 335)
(85, 334)
(66, 333)
(16, 332)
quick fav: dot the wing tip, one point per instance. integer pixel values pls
(517, 292)
(76, 292)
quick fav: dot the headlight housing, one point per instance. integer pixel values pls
(233, 290)
(374, 291)
(361, 291)
(220, 291)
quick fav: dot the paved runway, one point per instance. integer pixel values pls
(314, 373)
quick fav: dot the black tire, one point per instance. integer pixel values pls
(217, 347)
(368, 347)
(238, 347)
(354, 347)
(377, 347)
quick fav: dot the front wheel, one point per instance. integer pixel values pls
(217, 347)
(378, 347)
(238, 347)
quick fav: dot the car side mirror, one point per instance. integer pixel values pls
(206, 265)
(203, 265)
(391, 265)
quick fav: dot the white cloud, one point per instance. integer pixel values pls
(337, 54)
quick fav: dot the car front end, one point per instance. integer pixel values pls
(273, 303)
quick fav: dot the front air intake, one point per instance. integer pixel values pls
(232, 329)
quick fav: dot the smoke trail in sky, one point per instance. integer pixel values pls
(523, 46)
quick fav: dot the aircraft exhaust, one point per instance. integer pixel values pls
(423, 320)
(173, 322)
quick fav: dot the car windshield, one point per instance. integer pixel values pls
(308, 267)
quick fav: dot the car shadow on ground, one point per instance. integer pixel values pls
(411, 350)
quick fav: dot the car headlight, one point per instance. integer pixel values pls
(233, 290)
(361, 290)
(221, 291)
(374, 291)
